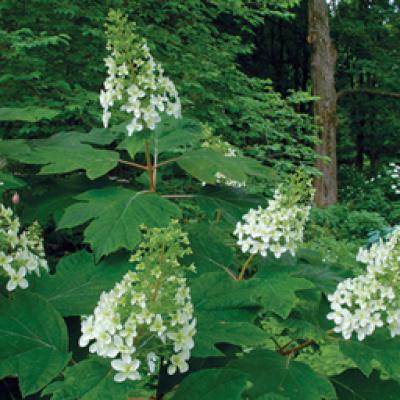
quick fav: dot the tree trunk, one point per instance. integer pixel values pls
(323, 63)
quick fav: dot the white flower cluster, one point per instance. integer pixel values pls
(147, 317)
(395, 175)
(228, 150)
(135, 80)
(279, 228)
(20, 253)
(368, 301)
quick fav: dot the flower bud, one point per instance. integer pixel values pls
(15, 198)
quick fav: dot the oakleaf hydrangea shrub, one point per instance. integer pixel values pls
(135, 81)
(21, 253)
(371, 300)
(279, 228)
(148, 316)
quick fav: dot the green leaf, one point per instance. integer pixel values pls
(276, 290)
(115, 215)
(9, 182)
(56, 193)
(379, 350)
(203, 164)
(76, 286)
(92, 379)
(272, 373)
(62, 153)
(231, 203)
(28, 114)
(352, 385)
(210, 254)
(33, 341)
(177, 134)
(225, 313)
(134, 144)
(213, 384)
(325, 276)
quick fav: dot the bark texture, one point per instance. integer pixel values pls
(323, 64)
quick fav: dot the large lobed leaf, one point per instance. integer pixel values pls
(379, 349)
(33, 341)
(62, 153)
(225, 313)
(92, 379)
(115, 215)
(76, 286)
(204, 163)
(271, 373)
(27, 114)
(352, 385)
(213, 384)
(170, 135)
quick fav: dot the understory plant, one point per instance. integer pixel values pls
(205, 292)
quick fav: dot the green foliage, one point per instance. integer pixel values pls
(352, 385)
(213, 384)
(63, 152)
(290, 379)
(115, 215)
(97, 384)
(344, 223)
(28, 114)
(78, 283)
(262, 331)
(379, 351)
(34, 341)
(229, 309)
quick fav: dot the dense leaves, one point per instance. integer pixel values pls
(260, 330)
(33, 341)
(97, 384)
(213, 384)
(64, 152)
(271, 373)
(78, 283)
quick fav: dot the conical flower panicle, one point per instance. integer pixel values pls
(279, 228)
(148, 316)
(135, 81)
(369, 301)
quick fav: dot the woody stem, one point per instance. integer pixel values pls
(150, 168)
(245, 266)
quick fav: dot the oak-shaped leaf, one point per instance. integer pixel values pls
(76, 286)
(271, 373)
(27, 114)
(170, 135)
(213, 384)
(353, 385)
(378, 350)
(225, 313)
(204, 164)
(115, 215)
(33, 341)
(63, 152)
(93, 379)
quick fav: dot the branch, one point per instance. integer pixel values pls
(166, 162)
(299, 347)
(133, 164)
(373, 92)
